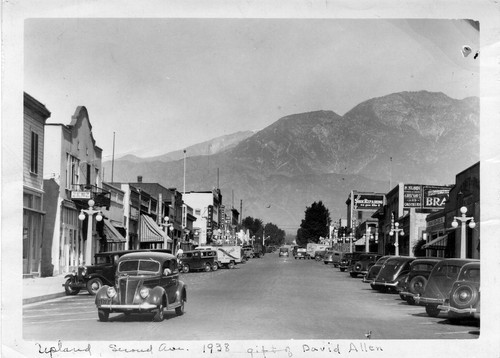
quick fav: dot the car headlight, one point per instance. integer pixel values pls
(144, 292)
(111, 292)
(84, 271)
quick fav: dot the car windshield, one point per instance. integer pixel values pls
(139, 266)
(283, 250)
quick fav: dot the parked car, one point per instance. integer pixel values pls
(374, 270)
(363, 264)
(391, 272)
(248, 251)
(301, 253)
(284, 251)
(318, 255)
(463, 301)
(196, 260)
(102, 272)
(332, 256)
(415, 282)
(439, 285)
(145, 282)
(348, 260)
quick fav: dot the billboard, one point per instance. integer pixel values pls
(425, 196)
(412, 196)
(368, 201)
(435, 196)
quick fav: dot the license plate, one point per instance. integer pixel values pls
(104, 301)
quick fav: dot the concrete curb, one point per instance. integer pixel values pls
(27, 301)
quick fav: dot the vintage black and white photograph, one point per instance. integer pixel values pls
(250, 183)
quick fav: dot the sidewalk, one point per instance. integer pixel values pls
(42, 288)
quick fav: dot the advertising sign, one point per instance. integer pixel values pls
(435, 196)
(412, 196)
(210, 217)
(368, 202)
(81, 195)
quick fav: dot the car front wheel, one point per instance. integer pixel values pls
(179, 311)
(432, 311)
(93, 285)
(208, 268)
(69, 290)
(103, 315)
(185, 268)
(215, 266)
(159, 314)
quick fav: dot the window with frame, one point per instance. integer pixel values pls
(34, 153)
(72, 171)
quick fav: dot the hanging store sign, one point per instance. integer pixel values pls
(81, 195)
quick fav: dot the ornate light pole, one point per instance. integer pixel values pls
(368, 236)
(90, 213)
(395, 229)
(168, 227)
(463, 237)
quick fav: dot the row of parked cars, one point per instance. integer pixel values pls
(448, 285)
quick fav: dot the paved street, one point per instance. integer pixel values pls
(268, 298)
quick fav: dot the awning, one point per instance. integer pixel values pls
(151, 232)
(112, 235)
(438, 243)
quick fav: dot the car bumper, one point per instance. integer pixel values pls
(461, 311)
(367, 280)
(117, 307)
(379, 284)
(427, 300)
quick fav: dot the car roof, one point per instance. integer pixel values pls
(401, 258)
(427, 259)
(456, 261)
(160, 256)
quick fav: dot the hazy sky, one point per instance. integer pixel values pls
(165, 84)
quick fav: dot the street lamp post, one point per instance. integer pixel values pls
(463, 238)
(90, 213)
(395, 229)
(367, 239)
(168, 227)
(351, 239)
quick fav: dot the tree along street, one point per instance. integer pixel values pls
(268, 298)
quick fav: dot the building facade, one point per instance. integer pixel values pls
(72, 177)
(207, 207)
(407, 205)
(114, 220)
(35, 116)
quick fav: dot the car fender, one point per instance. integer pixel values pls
(156, 295)
(101, 277)
(102, 293)
(182, 290)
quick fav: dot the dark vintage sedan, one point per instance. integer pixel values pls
(439, 285)
(145, 282)
(374, 270)
(332, 257)
(301, 253)
(415, 282)
(93, 277)
(348, 260)
(364, 263)
(196, 260)
(463, 301)
(391, 273)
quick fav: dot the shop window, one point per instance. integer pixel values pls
(34, 153)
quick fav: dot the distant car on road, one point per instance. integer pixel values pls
(464, 298)
(145, 282)
(374, 270)
(391, 273)
(284, 251)
(415, 282)
(348, 260)
(318, 255)
(332, 257)
(363, 264)
(301, 253)
(439, 285)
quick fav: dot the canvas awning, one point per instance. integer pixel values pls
(438, 243)
(151, 232)
(112, 235)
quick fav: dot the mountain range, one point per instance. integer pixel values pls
(412, 137)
